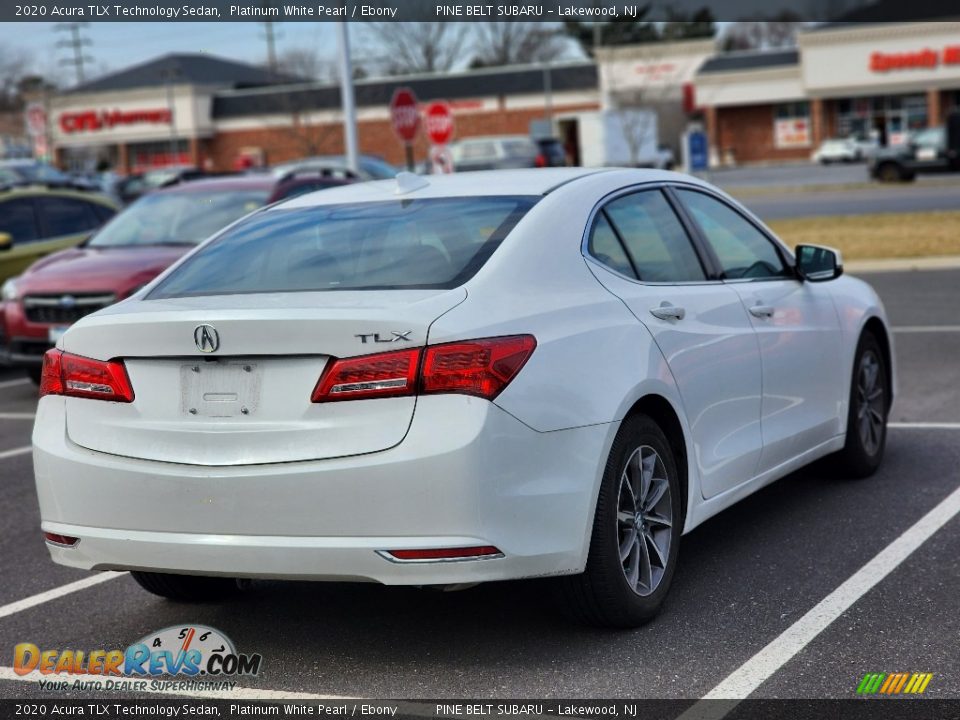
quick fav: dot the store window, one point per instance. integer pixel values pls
(885, 120)
(791, 125)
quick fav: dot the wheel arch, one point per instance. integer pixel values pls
(876, 327)
(662, 412)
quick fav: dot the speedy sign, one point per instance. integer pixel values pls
(403, 114)
(439, 121)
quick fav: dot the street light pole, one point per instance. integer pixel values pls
(169, 75)
(346, 97)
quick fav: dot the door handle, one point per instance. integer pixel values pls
(762, 311)
(666, 311)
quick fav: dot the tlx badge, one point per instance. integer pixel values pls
(375, 337)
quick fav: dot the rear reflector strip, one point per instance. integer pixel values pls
(60, 540)
(480, 552)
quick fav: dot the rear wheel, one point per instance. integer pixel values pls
(867, 416)
(890, 172)
(636, 532)
(186, 588)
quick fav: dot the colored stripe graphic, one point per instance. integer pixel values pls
(894, 683)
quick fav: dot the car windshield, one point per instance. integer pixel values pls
(397, 244)
(39, 173)
(178, 218)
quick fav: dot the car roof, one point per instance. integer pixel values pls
(232, 182)
(40, 189)
(534, 181)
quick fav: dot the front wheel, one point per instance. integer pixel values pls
(636, 532)
(867, 415)
(186, 588)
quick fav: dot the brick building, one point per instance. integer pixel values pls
(872, 80)
(205, 111)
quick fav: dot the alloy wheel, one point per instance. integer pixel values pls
(870, 403)
(644, 520)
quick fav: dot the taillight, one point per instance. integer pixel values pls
(454, 553)
(541, 160)
(389, 374)
(76, 376)
(472, 367)
(475, 367)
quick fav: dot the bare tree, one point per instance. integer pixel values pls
(305, 62)
(778, 32)
(511, 43)
(400, 48)
(13, 67)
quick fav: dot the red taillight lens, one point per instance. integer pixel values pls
(390, 374)
(541, 160)
(476, 367)
(461, 553)
(76, 376)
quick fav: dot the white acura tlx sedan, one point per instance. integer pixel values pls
(452, 380)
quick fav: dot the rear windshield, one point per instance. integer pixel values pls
(397, 244)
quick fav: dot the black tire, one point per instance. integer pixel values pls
(186, 588)
(863, 452)
(34, 372)
(890, 172)
(602, 596)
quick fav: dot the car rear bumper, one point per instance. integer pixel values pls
(467, 474)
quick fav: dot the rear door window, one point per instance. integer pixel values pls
(656, 242)
(397, 244)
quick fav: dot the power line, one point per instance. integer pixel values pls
(77, 43)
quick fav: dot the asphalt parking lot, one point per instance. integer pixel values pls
(747, 577)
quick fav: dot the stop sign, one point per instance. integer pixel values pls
(403, 114)
(439, 121)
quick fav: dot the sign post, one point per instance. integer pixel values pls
(405, 119)
(439, 121)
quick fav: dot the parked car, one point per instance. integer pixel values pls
(933, 150)
(26, 171)
(335, 166)
(300, 182)
(551, 153)
(466, 378)
(36, 220)
(128, 252)
(837, 150)
(497, 152)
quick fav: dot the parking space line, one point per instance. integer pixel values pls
(57, 592)
(925, 425)
(15, 451)
(238, 693)
(16, 416)
(926, 328)
(11, 383)
(755, 671)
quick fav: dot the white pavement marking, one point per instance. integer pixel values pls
(749, 676)
(57, 592)
(16, 451)
(11, 383)
(925, 425)
(925, 328)
(16, 416)
(238, 693)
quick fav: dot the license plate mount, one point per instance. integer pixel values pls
(220, 388)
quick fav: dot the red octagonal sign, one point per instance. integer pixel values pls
(403, 114)
(439, 122)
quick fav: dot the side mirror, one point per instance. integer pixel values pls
(816, 263)
(6, 241)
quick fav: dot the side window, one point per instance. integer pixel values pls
(18, 219)
(102, 212)
(65, 216)
(605, 246)
(743, 251)
(656, 242)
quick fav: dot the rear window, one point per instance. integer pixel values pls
(398, 244)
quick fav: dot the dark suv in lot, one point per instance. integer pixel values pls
(933, 150)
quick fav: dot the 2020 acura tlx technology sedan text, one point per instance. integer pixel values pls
(481, 377)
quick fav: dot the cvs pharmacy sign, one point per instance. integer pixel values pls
(94, 120)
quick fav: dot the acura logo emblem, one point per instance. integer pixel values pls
(206, 338)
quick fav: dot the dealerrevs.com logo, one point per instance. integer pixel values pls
(894, 683)
(183, 657)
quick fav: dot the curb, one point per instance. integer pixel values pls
(935, 262)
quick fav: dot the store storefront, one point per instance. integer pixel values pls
(876, 82)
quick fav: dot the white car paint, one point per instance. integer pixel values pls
(305, 491)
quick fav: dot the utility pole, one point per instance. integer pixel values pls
(346, 97)
(271, 46)
(76, 42)
(170, 76)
